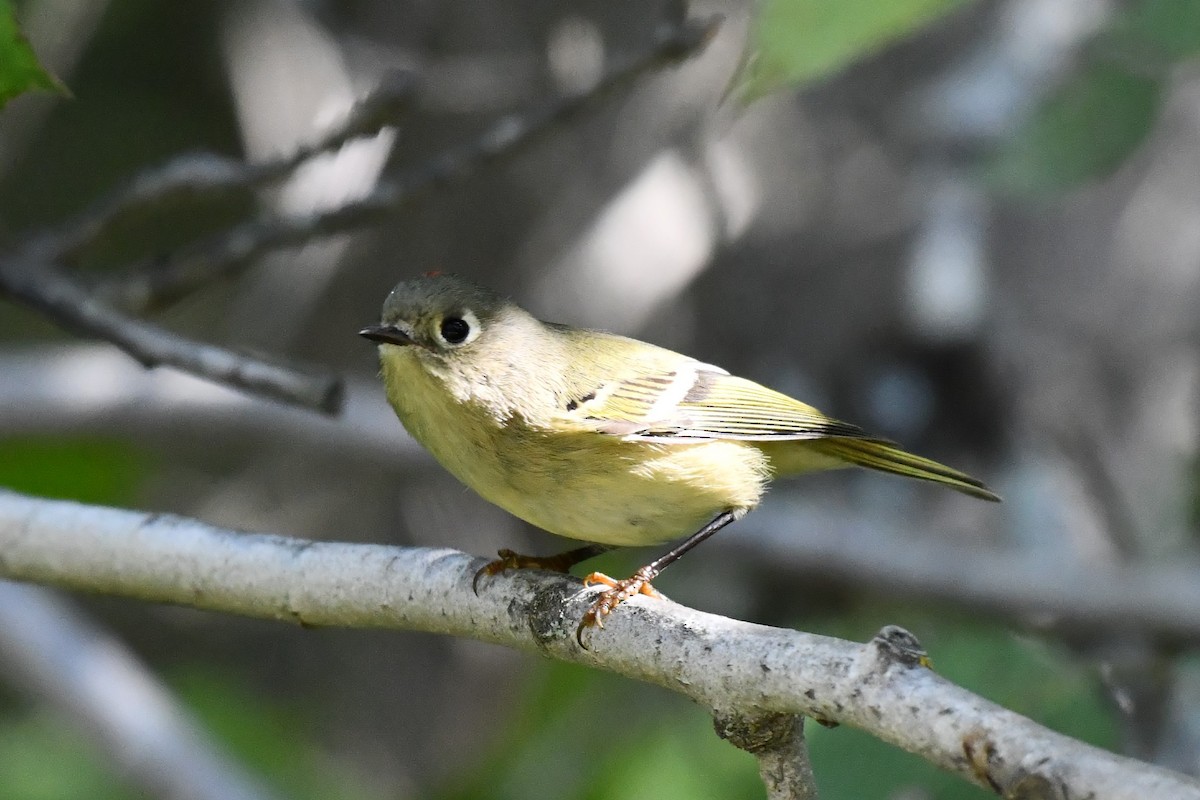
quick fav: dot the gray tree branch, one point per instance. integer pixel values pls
(734, 668)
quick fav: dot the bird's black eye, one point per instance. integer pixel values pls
(455, 330)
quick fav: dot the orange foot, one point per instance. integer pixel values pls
(512, 560)
(618, 592)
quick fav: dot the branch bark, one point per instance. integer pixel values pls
(734, 668)
(777, 742)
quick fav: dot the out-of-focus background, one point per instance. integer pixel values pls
(980, 239)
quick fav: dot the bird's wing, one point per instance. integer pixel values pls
(682, 399)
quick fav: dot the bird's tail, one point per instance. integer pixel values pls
(886, 457)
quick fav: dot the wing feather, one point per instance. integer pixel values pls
(694, 401)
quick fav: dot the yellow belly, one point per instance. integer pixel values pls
(583, 485)
(632, 493)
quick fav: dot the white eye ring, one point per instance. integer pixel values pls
(465, 317)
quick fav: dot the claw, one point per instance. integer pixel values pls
(616, 593)
(507, 560)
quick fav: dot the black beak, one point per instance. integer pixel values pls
(385, 334)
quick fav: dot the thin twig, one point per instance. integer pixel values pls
(196, 177)
(69, 389)
(515, 132)
(156, 283)
(881, 687)
(44, 289)
(1094, 467)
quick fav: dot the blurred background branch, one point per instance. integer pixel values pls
(169, 279)
(54, 654)
(207, 176)
(88, 390)
(61, 299)
(1159, 601)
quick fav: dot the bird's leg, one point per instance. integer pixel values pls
(639, 583)
(557, 563)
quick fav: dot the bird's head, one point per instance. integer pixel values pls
(437, 317)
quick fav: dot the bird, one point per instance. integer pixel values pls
(599, 437)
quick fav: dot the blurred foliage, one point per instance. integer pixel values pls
(43, 758)
(595, 735)
(104, 471)
(274, 740)
(1103, 112)
(1084, 130)
(793, 42)
(1087, 130)
(20, 71)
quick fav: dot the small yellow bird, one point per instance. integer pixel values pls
(599, 437)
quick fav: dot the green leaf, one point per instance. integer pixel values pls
(1084, 132)
(19, 68)
(795, 41)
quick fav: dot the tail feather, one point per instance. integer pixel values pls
(885, 457)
